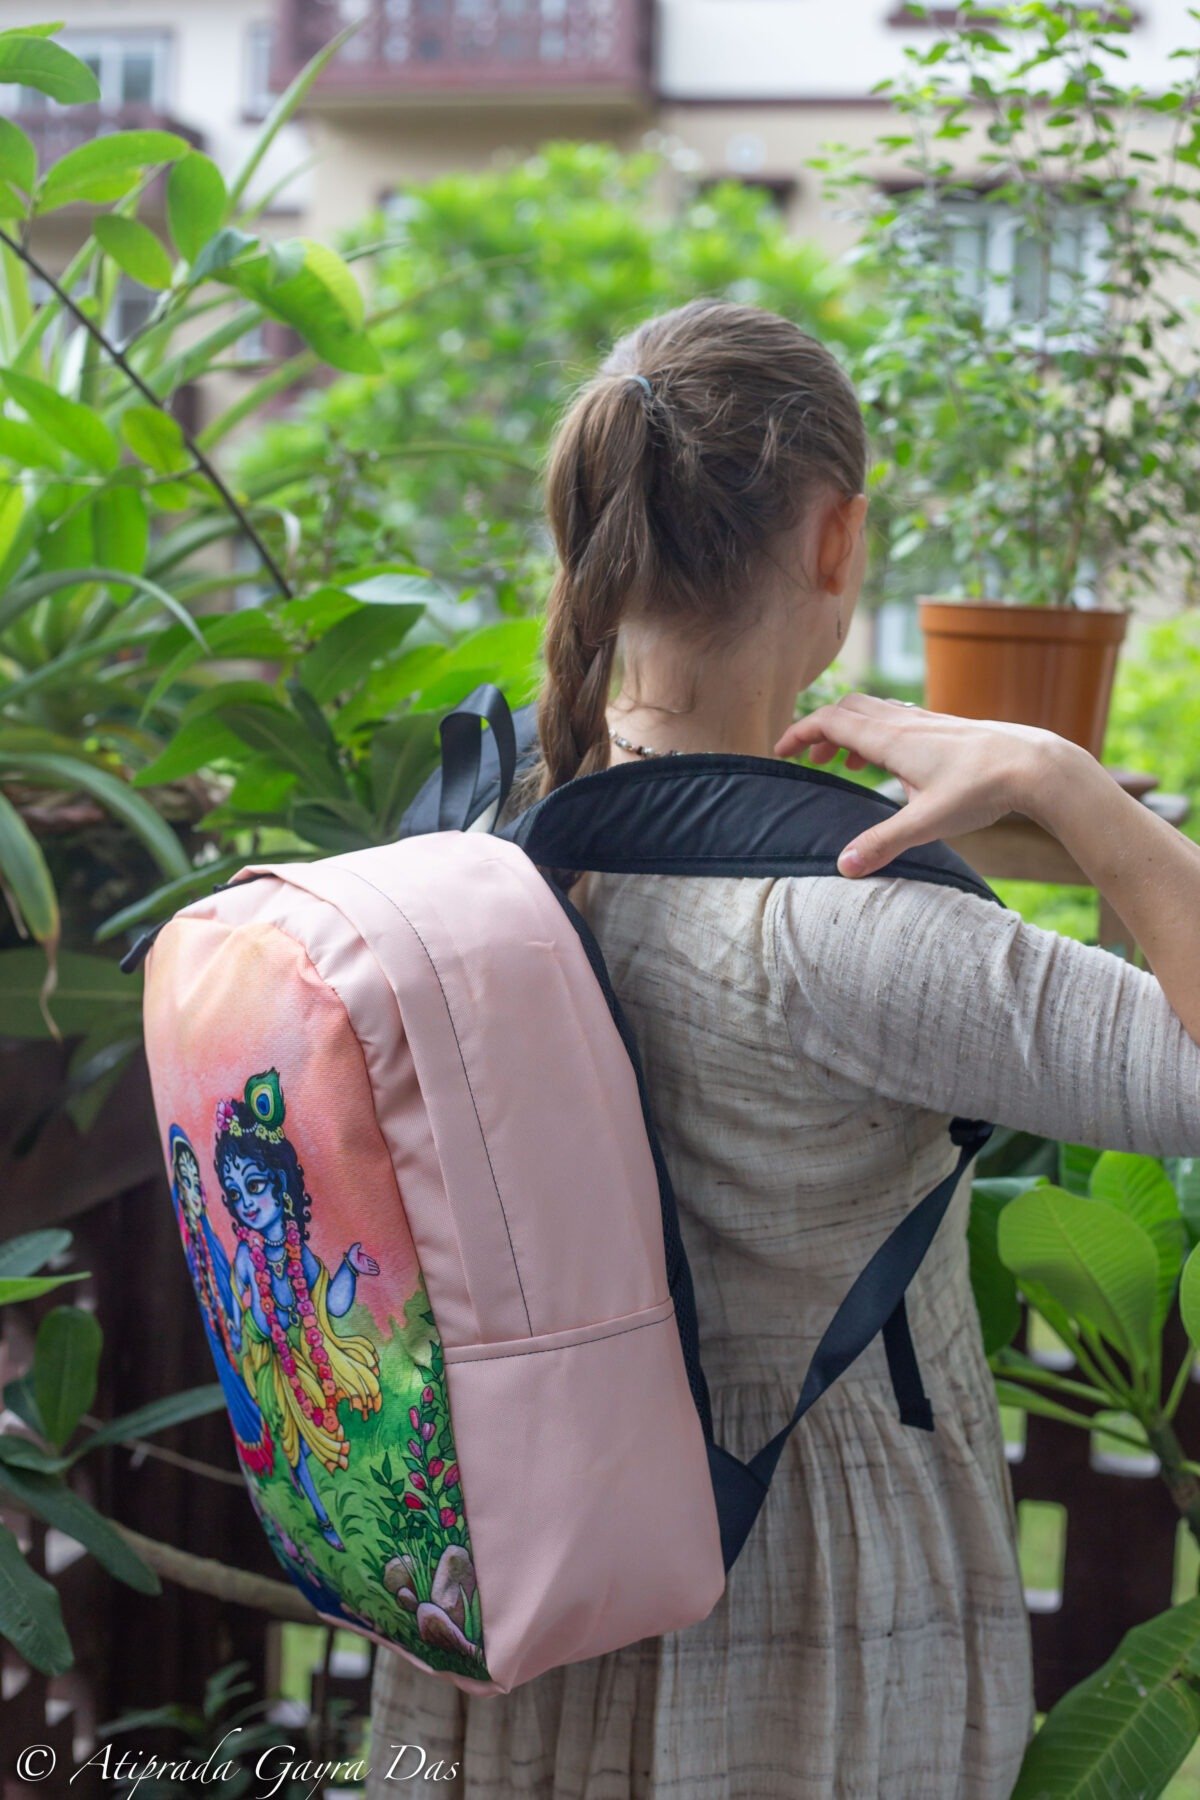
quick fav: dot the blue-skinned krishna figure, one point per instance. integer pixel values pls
(300, 1368)
(208, 1266)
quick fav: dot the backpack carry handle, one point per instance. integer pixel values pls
(461, 735)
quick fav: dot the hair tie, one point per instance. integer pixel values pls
(641, 379)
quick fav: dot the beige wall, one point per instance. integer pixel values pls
(362, 156)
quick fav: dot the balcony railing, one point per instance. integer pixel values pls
(55, 130)
(505, 48)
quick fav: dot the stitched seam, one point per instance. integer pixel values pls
(466, 1077)
(554, 1349)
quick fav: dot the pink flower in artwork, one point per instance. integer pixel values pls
(225, 1115)
(418, 1481)
(452, 1475)
(436, 1466)
(427, 1396)
(414, 1417)
(412, 1500)
(415, 1447)
(427, 1430)
(448, 1516)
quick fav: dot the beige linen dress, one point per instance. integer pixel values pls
(805, 1042)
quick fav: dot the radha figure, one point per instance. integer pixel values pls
(208, 1266)
(301, 1368)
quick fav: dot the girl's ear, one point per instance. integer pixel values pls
(840, 525)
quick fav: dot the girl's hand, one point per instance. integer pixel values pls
(360, 1262)
(959, 774)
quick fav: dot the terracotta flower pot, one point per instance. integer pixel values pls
(1050, 666)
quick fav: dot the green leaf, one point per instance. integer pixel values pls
(30, 1616)
(402, 754)
(1127, 1728)
(35, 62)
(120, 529)
(226, 636)
(156, 438)
(26, 1254)
(197, 744)
(134, 248)
(196, 203)
(279, 734)
(306, 300)
(15, 1288)
(994, 1286)
(1189, 1296)
(221, 253)
(24, 872)
(18, 158)
(1140, 1187)
(156, 1416)
(105, 167)
(1093, 1260)
(77, 427)
(88, 990)
(25, 445)
(58, 1505)
(334, 275)
(26, 1453)
(116, 796)
(12, 514)
(66, 1359)
(1185, 1174)
(1075, 1165)
(1033, 1400)
(172, 895)
(347, 652)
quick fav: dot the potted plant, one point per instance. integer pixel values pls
(1033, 388)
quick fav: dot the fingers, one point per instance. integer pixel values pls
(914, 824)
(858, 723)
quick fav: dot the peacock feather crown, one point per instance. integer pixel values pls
(262, 1098)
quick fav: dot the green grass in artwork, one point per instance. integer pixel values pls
(406, 1571)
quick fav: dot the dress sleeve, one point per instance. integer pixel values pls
(939, 999)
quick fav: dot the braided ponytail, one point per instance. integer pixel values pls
(596, 500)
(707, 432)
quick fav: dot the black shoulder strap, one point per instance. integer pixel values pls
(745, 815)
(718, 815)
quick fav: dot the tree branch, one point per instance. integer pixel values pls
(203, 1575)
(121, 362)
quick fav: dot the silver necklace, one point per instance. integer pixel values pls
(623, 743)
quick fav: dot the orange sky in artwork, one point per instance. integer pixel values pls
(221, 1008)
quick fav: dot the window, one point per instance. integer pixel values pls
(130, 67)
(257, 94)
(133, 307)
(1020, 276)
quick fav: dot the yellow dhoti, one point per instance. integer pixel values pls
(353, 1374)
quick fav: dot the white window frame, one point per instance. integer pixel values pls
(257, 41)
(109, 47)
(1001, 227)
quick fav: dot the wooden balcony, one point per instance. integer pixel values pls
(472, 51)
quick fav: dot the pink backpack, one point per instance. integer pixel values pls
(430, 1230)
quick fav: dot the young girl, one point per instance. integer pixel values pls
(804, 1043)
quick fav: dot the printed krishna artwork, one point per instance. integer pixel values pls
(336, 1395)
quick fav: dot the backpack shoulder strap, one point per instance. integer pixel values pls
(718, 815)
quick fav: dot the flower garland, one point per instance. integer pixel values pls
(323, 1417)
